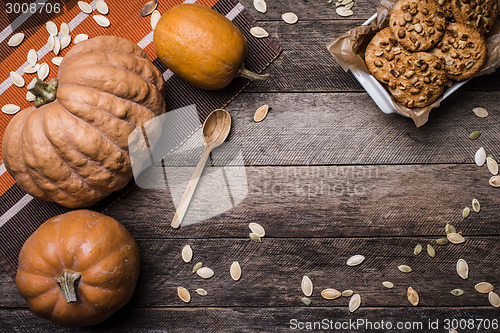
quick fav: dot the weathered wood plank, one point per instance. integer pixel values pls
(221, 320)
(272, 272)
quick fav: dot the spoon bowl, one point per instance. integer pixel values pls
(216, 128)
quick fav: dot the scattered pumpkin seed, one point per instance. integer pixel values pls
(430, 251)
(494, 299)
(290, 18)
(184, 294)
(355, 260)
(354, 302)
(30, 97)
(405, 268)
(261, 113)
(449, 229)
(347, 293)
(102, 21)
(260, 6)
(155, 17)
(17, 79)
(455, 238)
(484, 287)
(197, 267)
(50, 43)
(480, 112)
(259, 32)
(306, 301)
(85, 7)
(388, 284)
(65, 41)
(492, 165)
(102, 7)
(475, 205)
(16, 39)
(254, 237)
(235, 271)
(306, 285)
(480, 157)
(30, 69)
(474, 135)
(32, 57)
(457, 292)
(257, 229)
(331, 293)
(205, 272)
(417, 249)
(80, 38)
(442, 241)
(349, 5)
(148, 7)
(51, 28)
(43, 71)
(57, 61)
(465, 212)
(187, 253)
(57, 46)
(412, 296)
(463, 269)
(344, 12)
(64, 29)
(10, 109)
(201, 292)
(494, 181)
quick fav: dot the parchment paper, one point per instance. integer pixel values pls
(349, 51)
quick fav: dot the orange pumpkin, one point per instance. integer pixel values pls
(202, 46)
(78, 268)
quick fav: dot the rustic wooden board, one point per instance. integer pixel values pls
(249, 320)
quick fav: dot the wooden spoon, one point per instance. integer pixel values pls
(215, 131)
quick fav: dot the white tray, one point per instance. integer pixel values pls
(379, 93)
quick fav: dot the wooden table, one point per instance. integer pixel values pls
(329, 176)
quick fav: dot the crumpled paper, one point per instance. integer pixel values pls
(349, 51)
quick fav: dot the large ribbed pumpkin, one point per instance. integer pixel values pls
(73, 150)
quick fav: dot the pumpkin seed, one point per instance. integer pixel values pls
(465, 212)
(449, 229)
(494, 181)
(307, 286)
(347, 293)
(17, 79)
(480, 112)
(257, 229)
(331, 293)
(148, 8)
(102, 7)
(85, 7)
(494, 299)
(187, 253)
(417, 249)
(405, 268)
(484, 287)
(102, 20)
(260, 6)
(388, 284)
(10, 109)
(430, 251)
(32, 57)
(474, 135)
(201, 292)
(354, 302)
(492, 165)
(155, 17)
(43, 71)
(463, 269)
(31, 69)
(455, 238)
(235, 271)
(480, 156)
(184, 294)
(51, 28)
(254, 237)
(16, 39)
(355, 260)
(290, 18)
(349, 5)
(197, 267)
(261, 113)
(342, 11)
(475, 205)
(412, 296)
(79, 38)
(306, 300)
(64, 29)
(65, 41)
(30, 97)
(205, 272)
(457, 292)
(259, 32)
(442, 241)
(57, 45)
(50, 43)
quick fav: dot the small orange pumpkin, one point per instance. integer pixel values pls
(78, 268)
(202, 46)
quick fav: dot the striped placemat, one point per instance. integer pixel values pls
(20, 213)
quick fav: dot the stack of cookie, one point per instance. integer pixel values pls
(427, 44)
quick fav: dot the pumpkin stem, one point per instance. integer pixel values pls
(45, 92)
(67, 282)
(243, 72)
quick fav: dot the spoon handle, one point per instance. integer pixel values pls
(188, 194)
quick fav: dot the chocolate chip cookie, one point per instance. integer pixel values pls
(462, 50)
(480, 14)
(382, 54)
(418, 80)
(418, 25)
